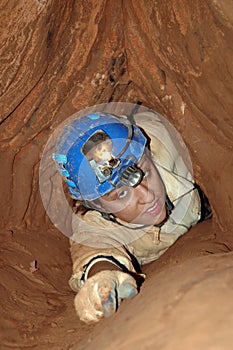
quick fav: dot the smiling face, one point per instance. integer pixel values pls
(143, 204)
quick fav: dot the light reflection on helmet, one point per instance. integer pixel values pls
(97, 153)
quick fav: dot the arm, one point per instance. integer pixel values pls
(102, 277)
(94, 241)
(102, 285)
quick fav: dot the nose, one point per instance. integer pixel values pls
(143, 193)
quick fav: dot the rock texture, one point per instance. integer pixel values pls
(57, 57)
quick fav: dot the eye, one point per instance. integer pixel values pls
(122, 194)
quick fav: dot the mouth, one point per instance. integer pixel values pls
(154, 209)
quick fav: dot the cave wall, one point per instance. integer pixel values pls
(58, 57)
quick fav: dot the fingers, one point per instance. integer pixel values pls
(127, 290)
(96, 299)
(111, 302)
(112, 293)
(107, 291)
(102, 294)
(88, 305)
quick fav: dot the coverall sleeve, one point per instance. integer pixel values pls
(86, 249)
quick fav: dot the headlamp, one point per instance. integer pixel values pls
(131, 176)
(126, 173)
(117, 173)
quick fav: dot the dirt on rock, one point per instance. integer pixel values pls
(58, 57)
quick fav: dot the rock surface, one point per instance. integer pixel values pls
(57, 57)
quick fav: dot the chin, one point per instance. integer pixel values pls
(158, 219)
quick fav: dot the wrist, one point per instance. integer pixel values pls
(113, 264)
(102, 266)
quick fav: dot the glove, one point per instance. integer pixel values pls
(102, 294)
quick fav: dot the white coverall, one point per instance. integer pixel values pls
(96, 239)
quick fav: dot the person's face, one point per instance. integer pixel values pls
(143, 204)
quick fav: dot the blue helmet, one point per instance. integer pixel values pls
(98, 152)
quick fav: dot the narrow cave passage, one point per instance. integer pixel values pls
(60, 57)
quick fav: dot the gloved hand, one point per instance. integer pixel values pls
(102, 294)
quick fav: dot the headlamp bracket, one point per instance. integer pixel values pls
(104, 171)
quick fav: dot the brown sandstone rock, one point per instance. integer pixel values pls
(57, 57)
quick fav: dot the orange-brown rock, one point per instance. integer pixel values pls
(58, 57)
